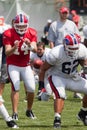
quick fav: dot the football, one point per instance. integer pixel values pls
(37, 63)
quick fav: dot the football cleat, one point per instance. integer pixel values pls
(15, 116)
(57, 122)
(12, 124)
(82, 115)
(30, 114)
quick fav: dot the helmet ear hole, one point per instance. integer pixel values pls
(21, 23)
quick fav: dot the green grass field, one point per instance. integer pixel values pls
(44, 112)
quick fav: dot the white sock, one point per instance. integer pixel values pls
(57, 115)
(1, 99)
(84, 109)
(4, 112)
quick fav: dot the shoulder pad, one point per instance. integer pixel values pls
(32, 31)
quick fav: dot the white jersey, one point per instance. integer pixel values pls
(35, 56)
(63, 65)
(58, 30)
(43, 58)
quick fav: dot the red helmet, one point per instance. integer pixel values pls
(21, 23)
(71, 43)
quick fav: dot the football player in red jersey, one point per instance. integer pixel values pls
(19, 41)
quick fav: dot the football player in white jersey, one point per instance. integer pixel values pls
(42, 51)
(63, 61)
(59, 29)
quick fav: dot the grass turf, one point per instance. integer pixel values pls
(44, 112)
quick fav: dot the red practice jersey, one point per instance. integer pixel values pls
(21, 56)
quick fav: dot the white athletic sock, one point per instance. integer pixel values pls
(1, 99)
(84, 109)
(57, 115)
(4, 112)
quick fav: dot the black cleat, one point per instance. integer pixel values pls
(82, 115)
(12, 124)
(30, 114)
(15, 116)
(57, 122)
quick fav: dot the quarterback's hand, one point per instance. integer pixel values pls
(27, 41)
(16, 44)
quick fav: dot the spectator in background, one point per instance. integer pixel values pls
(4, 75)
(46, 29)
(77, 19)
(61, 27)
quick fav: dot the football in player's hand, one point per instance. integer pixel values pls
(37, 63)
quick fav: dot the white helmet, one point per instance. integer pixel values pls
(21, 23)
(71, 44)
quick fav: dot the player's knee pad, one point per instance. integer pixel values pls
(31, 90)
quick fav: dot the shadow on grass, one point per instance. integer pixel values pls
(73, 126)
(37, 126)
(74, 99)
(51, 126)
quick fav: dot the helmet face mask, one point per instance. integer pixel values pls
(71, 52)
(71, 44)
(21, 24)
